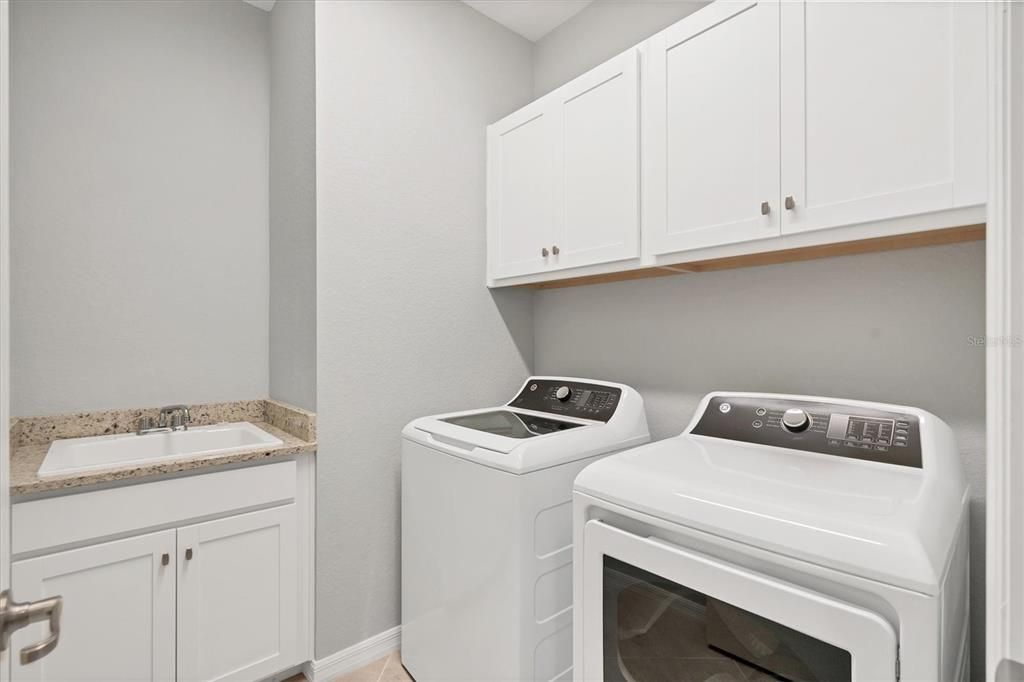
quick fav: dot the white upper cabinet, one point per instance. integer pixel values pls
(711, 129)
(760, 124)
(522, 183)
(883, 110)
(599, 165)
(563, 176)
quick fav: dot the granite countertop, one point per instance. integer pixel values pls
(31, 438)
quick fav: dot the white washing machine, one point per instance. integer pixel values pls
(487, 528)
(779, 536)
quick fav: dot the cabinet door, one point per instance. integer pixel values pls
(711, 124)
(597, 116)
(238, 597)
(883, 110)
(118, 617)
(521, 186)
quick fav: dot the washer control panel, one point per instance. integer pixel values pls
(570, 398)
(822, 427)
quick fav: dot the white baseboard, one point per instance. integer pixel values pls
(354, 657)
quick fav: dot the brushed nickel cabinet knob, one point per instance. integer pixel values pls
(766, 208)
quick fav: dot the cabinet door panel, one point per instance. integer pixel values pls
(118, 619)
(872, 111)
(237, 597)
(711, 144)
(598, 117)
(521, 190)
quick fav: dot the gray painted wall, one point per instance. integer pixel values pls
(293, 204)
(601, 31)
(676, 338)
(405, 325)
(139, 203)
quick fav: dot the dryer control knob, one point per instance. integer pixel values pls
(563, 393)
(795, 420)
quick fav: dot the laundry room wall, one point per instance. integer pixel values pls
(602, 30)
(901, 327)
(293, 204)
(139, 168)
(405, 325)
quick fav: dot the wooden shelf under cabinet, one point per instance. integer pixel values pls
(952, 235)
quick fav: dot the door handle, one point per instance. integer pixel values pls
(15, 615)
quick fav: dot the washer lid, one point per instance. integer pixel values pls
(550, 421)
(511, 424)
(889, 523)
(519, 442)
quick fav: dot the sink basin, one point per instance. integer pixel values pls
(75, 455)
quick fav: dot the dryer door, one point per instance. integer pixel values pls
(655, 611)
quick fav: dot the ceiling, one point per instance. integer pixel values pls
(266, 5)
(532, 19)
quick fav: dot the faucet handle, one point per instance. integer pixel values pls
(177, 421)
(145, 424)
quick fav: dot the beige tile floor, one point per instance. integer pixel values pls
(387, 669)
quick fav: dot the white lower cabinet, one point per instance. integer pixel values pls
(227, 599)
(215, 601)
(118, 618)
(237, 604)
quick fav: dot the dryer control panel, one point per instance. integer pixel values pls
(570, 398)
(827, 428)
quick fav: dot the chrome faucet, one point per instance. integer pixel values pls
(172, 418)
(179, 414)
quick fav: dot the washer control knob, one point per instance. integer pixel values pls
(795, 420)
(563, 393)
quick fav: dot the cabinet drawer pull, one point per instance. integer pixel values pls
(165, 559)
(555, 250)
(790, 203)
(544, 251)
(766, 208)
(188, 554)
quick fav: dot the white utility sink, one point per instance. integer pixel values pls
(75, 455)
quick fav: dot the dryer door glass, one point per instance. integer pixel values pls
(655, 610)
(657, 629)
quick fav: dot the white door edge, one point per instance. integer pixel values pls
(1004, 295)
(5, 365)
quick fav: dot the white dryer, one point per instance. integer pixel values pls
(779, 536)
(487, 528)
